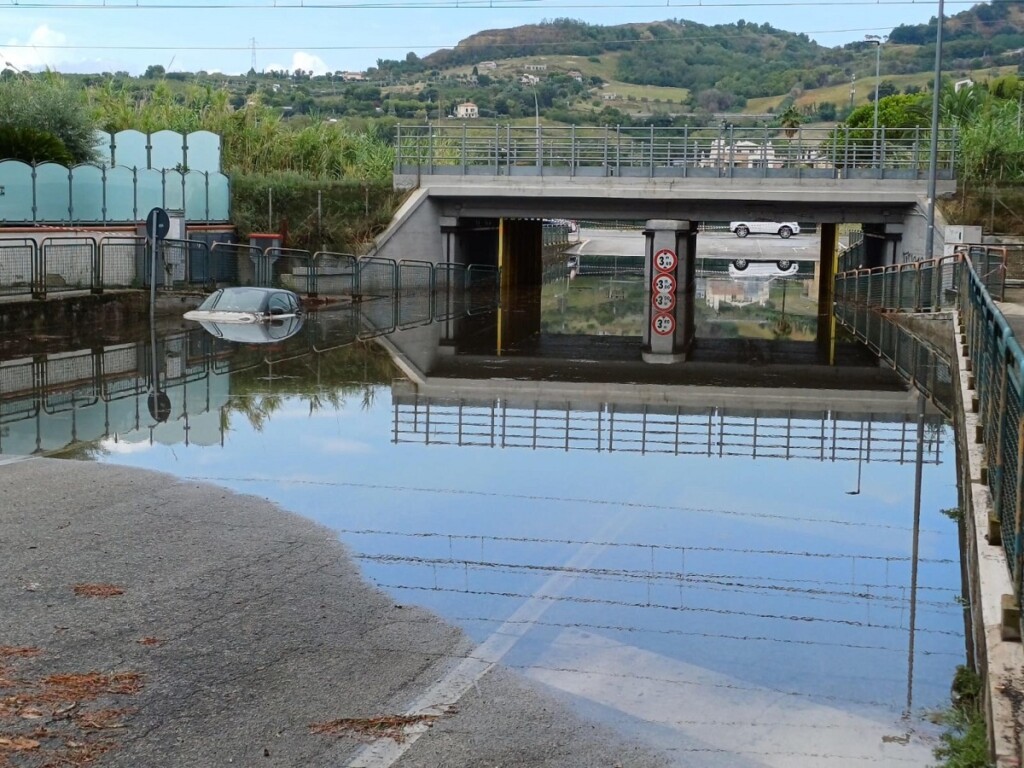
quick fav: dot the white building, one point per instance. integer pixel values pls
(467, 110)
(740, 154)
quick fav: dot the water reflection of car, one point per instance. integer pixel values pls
(745, 268)
(783, 229)
(276, 329)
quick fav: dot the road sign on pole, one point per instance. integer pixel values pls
(664, 302)
(665, 260)
(664, 283)
(663, 324)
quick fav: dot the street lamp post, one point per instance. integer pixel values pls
(877, 41)
(536, 123)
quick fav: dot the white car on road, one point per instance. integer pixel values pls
(783, 229)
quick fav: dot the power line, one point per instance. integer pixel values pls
(558, 499)
(294, 5)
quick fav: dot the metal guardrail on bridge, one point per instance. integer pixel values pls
(728, 151)
(996, 360)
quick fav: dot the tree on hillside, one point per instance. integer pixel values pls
(50, 104)
(154, 72)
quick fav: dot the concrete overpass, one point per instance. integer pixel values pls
(480, 195)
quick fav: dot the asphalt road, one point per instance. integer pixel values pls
(710, 245)
(238, 626)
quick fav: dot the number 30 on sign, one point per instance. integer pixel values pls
(663, 324)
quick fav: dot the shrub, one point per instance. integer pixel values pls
(48, 103)
(31, 145)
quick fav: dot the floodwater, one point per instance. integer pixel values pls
(723, 572)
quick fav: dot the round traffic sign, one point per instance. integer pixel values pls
(664, 302)
(158, 224)
(663, 324)
(665, 260)
(664, 284)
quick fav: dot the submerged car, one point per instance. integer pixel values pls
(247, 305)
(783, 229)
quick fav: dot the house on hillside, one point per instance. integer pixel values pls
(529, 80)
(740, 154)
(467, 110)
(576, 75)
(487, 65)
(536, 67)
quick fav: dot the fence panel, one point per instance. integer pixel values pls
(377, 276)
(233, 263)
(68, 264)
(120, 258)
(17, 266)
(414, 275)
(293, 269)
(336, 273)
(450, 288)
(191, 260)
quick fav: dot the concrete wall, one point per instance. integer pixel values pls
(414, 232)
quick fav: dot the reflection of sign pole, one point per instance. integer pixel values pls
(158, 223)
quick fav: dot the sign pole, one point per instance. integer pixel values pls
(151, 230)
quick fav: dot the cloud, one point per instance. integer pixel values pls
(304, 61)
(30, 57)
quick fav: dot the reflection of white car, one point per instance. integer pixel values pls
(744, 268)
(783, 229)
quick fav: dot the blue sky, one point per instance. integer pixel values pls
(111, 35)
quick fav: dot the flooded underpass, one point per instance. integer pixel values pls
(747, 559)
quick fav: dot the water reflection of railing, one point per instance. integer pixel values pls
(90, 394)
(711, 431)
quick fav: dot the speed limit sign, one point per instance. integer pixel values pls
(665, 260)
(664, 302)
(664, 284)
(663, 324)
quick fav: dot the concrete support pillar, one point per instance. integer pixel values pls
(826, 335)
(670, 272)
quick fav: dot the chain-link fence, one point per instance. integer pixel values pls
(88, 263)
(18, 265)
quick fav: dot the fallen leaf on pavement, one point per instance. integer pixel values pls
(18, 743)
(383, 726)
(18, 651)
(98, 590)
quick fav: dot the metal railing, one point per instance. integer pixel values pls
(18, 266)
(649, 429)
(78, 263)
(727, 151)
(920, 286)
(972, 281)
(997, 362)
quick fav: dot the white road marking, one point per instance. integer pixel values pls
(442, 695)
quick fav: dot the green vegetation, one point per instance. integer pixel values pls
(45, 106)
(965, 742)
